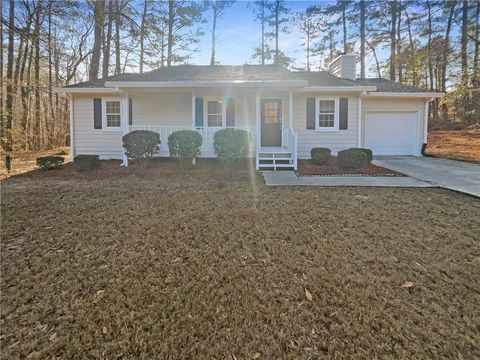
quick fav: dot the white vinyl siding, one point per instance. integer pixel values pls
(90, 141)
(336, 140)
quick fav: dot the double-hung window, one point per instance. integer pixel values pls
(112, 114)
(327, 118)
(214, 113)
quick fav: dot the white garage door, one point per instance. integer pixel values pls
(391, 133)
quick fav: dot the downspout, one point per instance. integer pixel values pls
(72, 131)
(425, 128)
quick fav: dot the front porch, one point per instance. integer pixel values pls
(260, 113)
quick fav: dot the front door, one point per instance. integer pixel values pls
(271, 129)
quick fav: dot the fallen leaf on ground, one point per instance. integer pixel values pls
(104, 330)
(256, 355)
(308, 295)
(407, 284)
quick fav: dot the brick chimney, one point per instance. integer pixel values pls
(344, 66)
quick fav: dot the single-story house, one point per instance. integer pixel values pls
(287, 113)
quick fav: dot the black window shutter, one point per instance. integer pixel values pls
(311, 113)
(130, 112)
(199, 112)
(97, 113)
(343, 114)
(230, 112)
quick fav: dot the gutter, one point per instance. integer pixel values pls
(407, 95)
(79, 90)
(181, 84)
(337, 89)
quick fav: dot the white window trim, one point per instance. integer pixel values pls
(336, 119)
(205, 111)
(104, 115)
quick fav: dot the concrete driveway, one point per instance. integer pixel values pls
(450, 174)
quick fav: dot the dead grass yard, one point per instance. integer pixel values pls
(457, 145)
(202, 265)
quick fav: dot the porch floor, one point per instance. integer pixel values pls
(273, 149)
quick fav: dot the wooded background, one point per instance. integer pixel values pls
(45, 44)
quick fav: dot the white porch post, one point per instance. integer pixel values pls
(193, 110)
(290, 109)
(257, 123)
(125, 127)
(359, 122)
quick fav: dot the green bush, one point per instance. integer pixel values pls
(321, 156)
(231, 144)
(367, 152)
(49, 162)
(185, 144)
(86, 162)
(141, 145)
(352, 159)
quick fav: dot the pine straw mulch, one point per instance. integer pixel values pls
(308, 168)
(457, 145)
(206, 265)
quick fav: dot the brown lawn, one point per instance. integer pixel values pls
(206, 264)
(458, 145)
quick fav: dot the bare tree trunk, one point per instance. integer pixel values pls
(263, 32)
(142, 36)
(447, 47)
(107, 41)
(393, 28)
(50, 121)
(362, 39)
(377, 62)
(118, 66)
(429, 45)
(8, 142)
(37, 139)
(399, 45)
(99, 14)
(171, 19)
(1, 70)
(277, 25)
(214, 25)
(308, 45)
(344, 24)
(464, 53)
(413, 71)
(476, 57)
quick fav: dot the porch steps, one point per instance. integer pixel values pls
(273, 160)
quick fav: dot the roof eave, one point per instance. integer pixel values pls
(406, 94)
(179, 84)
(338, 88)
(86, 90)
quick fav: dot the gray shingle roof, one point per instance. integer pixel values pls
(247, 73)
(384, 85)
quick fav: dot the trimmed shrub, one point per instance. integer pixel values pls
(231, 144)
(185, 144)
(321, 156)
(86, 162)
(352, 159)
(367, 152)
(141, 145)
(50, 162)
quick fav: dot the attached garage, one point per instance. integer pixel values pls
(392, 132)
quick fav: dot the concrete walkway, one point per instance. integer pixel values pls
(450, 174)
(289, 178)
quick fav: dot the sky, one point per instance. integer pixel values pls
(239, 34)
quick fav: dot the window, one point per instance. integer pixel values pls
(327, 115)
(271, 112)
(214, 113)
(112, 113)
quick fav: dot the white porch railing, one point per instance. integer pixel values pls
(207, 136)
(292, 145)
